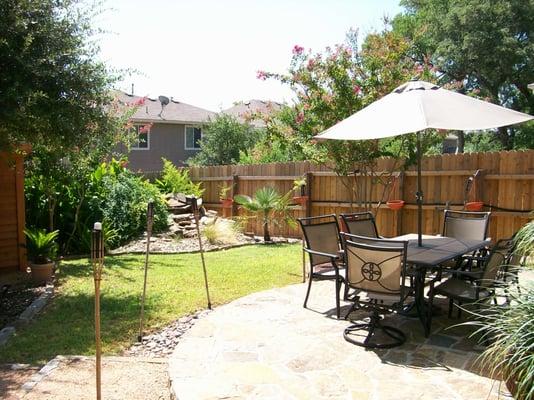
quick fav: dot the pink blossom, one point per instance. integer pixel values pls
(356, 89)
(311, 64)
(298, 49)
(419, 68)
(140, 101)
(299, 119)
(261, 75)
(145, 128)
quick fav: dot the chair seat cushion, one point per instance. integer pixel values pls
(458, 288)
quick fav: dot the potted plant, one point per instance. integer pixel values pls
(42, 251)
(395, 204)
(474, 206)
(298, 187)
(226, 201)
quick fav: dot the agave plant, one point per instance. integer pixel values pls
(268, 203)
(41, 245)
(510, 330)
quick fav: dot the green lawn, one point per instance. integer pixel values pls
(175, 288)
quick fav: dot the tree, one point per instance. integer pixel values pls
(330, 87)
(223, 139)
(484, 46)
(52, 89)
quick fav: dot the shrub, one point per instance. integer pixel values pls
(174, 180)
(122, 205)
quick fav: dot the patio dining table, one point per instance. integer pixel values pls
(435, 250)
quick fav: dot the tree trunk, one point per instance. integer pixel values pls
(266, 235)
(504, 138)
(461, 141)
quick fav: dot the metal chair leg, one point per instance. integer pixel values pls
(308, 291)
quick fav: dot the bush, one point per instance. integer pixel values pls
(174, 180)
(123, 206)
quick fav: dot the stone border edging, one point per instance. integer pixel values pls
(28, 314)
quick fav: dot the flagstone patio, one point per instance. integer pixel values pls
(266, 346)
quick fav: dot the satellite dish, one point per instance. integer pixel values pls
(164, 100)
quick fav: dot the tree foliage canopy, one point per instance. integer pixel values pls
(223, 139)
(485, 47)
(52, 89)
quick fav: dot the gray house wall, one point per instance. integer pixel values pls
(166, 140)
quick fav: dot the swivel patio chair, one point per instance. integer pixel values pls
(360, 223)
(322, 244)
(376, 267)
(475, 291)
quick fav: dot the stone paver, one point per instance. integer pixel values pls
(266, 346)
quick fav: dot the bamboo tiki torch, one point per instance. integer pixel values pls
(149, 224)
(194, 207)
(97, 260)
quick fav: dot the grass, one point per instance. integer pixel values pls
(175, 288)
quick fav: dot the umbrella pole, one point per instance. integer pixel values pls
(419, 194)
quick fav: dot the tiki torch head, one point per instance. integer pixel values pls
(97, 243)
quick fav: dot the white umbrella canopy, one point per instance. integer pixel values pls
(414, 107)
(418, 105)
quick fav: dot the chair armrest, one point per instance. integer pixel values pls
(319, 253)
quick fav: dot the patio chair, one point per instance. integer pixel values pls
(360, 223)
(465, 225)
(322, 244)
(475, 290)
(376, 267)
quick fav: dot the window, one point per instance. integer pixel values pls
(142, 134)
(193, 135)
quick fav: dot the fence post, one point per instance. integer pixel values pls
(401, 196)
(309, 179)
(235, 191)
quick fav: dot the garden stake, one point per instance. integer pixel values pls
(194, 206)
(149, 223)
(97, 259)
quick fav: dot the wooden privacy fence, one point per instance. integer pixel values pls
(505, 184)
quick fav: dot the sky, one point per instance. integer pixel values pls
(207, 52)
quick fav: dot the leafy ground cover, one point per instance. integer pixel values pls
(175, 289)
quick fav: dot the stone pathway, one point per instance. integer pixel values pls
(266, 346)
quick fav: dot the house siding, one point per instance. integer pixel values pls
(167, 141)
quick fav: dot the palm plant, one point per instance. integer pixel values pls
(268, 203)
(41, 245)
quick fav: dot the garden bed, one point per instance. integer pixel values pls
(20, 294)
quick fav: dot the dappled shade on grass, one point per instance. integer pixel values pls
(175, 288)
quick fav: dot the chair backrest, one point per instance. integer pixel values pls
(499, 255)
(321, 233)
(466, 225)
(361, 224)
(375, 265)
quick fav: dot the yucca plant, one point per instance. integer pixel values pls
(270, 205)
(41, 245)
(509, 330)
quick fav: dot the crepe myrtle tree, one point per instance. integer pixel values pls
(333, 85)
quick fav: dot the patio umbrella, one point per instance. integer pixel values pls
(414, 107)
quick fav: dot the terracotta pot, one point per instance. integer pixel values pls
(395, 204)
(474, 206)
(227, 203)
(302, 200)
(42, 272)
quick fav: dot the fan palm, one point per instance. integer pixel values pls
(268, 203)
